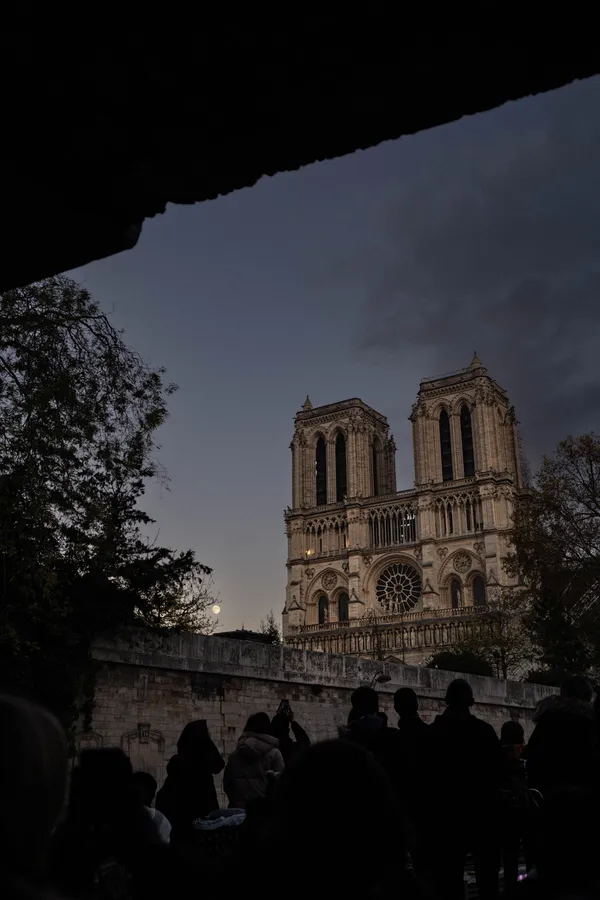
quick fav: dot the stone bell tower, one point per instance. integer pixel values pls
(464, 427)
(342, 454)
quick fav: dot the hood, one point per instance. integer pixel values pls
(573, 707)
(173, 766)
(546, 704)
(256, 745)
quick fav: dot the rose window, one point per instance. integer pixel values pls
(399, 588)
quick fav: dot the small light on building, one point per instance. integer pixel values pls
(309, 552)
(216, 609)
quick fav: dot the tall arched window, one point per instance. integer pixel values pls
(321, 472)
(466, 433)
(478, 587)
(446, 446)
(340, 468)
(455, 593)
(375, 463)
(323, 610)
(343, 608)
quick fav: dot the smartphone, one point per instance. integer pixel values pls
(284, 707)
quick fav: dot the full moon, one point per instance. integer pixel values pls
(216, 609)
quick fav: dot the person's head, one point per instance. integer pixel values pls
(193, 736)
(512, 734)
(104, 799)
(259, 723)
(280, 726)
(33, 767)
(459, 695)
(577, 687)
(365, 701)
(344, 777)
(145, 786)
(406, 703)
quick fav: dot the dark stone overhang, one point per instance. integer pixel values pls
(102, 131)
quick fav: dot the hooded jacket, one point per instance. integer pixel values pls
(561, 750)
(245, 776)
(189, 790)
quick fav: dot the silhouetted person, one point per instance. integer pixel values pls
(108, 844)
(364, 722)
(466, 770)
(189, 790)
(517, 808)
(561, 750)
(33, 779)
(368, 727)
(146, 785)
(334, 791)
(281, 723)
(568, 854)
(413, 750)
(256, 754)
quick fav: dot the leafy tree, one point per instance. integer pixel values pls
(79, 411)
(460, 660)
(499, 636)
(271, 628)
(556, 541)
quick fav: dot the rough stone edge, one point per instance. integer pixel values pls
(213, 655)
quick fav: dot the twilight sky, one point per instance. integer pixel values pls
(355, 278)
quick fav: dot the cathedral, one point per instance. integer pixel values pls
(399, 575)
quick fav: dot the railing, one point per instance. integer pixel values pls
(453, 374)
(420, 615)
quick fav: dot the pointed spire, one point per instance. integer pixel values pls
(476, 362)
(307, 404)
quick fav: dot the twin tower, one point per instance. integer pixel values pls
(394, 574)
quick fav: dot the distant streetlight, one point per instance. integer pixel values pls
(216, 609)
(380, 678)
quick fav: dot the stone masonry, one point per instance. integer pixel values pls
(400, 574)
(148, 689)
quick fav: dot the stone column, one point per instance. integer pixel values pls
(308, 468)
(417, 436)
(478, 424)
(391, 465)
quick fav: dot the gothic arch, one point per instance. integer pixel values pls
(323, 612)
(381, 585)
(377, 466)
(445, 444)
(341, 602)
(337, 429)
(477, 589)
(316, 586)
(340, 445)
(447, 566)
(314, 438)
(459, 402)
(439, 407)
(321, 474)
(377, 568)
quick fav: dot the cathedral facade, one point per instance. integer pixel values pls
(373, 571)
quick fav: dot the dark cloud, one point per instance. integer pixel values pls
(496, 249)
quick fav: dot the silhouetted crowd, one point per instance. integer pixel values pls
(381, 811)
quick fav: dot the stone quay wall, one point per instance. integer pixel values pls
(148, 688)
